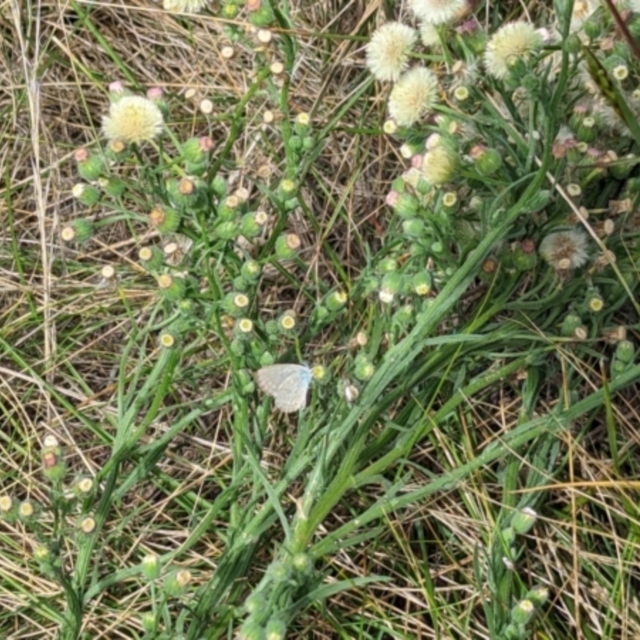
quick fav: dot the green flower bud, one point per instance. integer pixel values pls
(28, 511)
(538, 596)
(151, 258)
(219, 186)
(303, 563)
(86, 193)
(276, 629)
(301, 124)
(186, 192)
(83, 487)
(251, 270)
(404, 315)
(287, 188)
(53, 466)
(587, 130)
(177, 582)
(7, 508)
(262, 16)
(523, 612)
(523, 520)
(571, 326)
(229, 11)
(151, 567)
(236, 304)
(392, 283)
(90, 166)
(149, 622)
(171, 287)
(487, 161)
(594, 301)
(308, 143)
(164, 219)
(272, 327)
(251, 630)
(113, 187)
(227, 230)
(593, 27)
(287, 323)
(237, 347)
(414, 228)
(320, 374)
(78, 231)
(290, 204)
(625, 352)
(421, 283)
(524, 256)
(196, 150)
(244, 328)
(405, 204)
(336, 300)
(279, 571)
(287, 246)
(256, 604)
(364, 368)
(387, 264)
(249, 226)
(295, 142)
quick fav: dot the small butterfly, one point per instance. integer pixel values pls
(287, 384)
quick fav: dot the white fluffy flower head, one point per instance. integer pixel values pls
(565, 250)
(437, 11)
(513, 41)
(132, 119)
(183, 6)
(389, 49)
(413, 96)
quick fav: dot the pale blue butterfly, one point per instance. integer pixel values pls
(287, 384)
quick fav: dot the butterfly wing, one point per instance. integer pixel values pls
(287, 384)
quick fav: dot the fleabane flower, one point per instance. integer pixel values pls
(413, 96)
(565, 250)
(132, 119)
(184, 6)
(437, 11)
(438, 165)
(389, 49)
(513, 41)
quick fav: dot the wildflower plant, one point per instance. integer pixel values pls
(459, 343)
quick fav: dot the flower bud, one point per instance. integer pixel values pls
(287, 246)
(421, 283)
(151, 258)
(78, 231)
(414, 228)
(164, 219)
(90, 166)
(364, 368)
(87, 194)
(336, 300)
(113, 186)
(276, 629)
(405, 204)
(625, 352)
(572, 326)
(523, 520)
(523, 612)
(171, 287)
(177, 582)
(151, 567)
(53, 466)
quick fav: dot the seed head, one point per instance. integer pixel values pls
(413, 96)
(184, 6)
(389, 49)
(565, 249)
(513, 41)
(438, 11)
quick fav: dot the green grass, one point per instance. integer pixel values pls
(396, 515)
